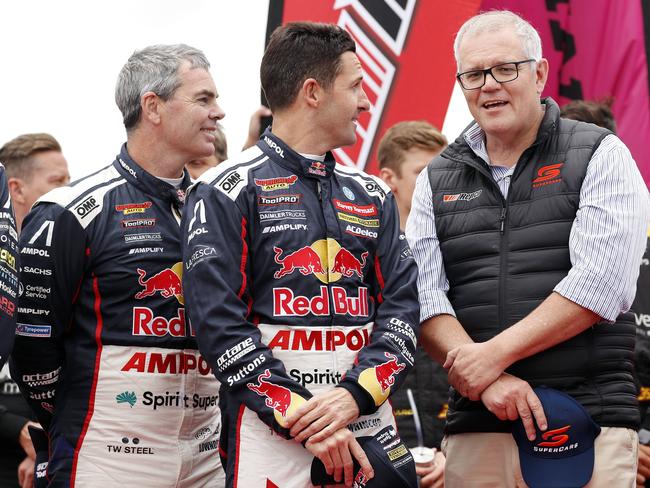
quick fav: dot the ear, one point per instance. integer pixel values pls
(389, 177)
(312, 92)
(16, 189)
(150, 103)
(541, 74)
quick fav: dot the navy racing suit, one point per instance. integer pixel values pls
(298, 281)
(8, 270)
(104, 353)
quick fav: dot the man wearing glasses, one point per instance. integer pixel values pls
(528, 232)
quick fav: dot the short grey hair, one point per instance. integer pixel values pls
(496, 20)
(153, 69)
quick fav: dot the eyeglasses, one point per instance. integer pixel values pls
(502, 73)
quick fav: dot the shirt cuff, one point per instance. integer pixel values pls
(434, 302)
(593, 292)
(364, 401)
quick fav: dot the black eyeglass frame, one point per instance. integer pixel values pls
(488, 71)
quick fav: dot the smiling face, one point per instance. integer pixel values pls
(343, 102)
(503, 110)
(189, 117)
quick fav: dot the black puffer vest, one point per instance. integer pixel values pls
(503, 257)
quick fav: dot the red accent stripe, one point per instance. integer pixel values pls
(239, 419)
(380, 280)
(244, 257)
(93, 388)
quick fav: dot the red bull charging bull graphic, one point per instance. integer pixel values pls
(378, 380)
(281, 399)
(305, 260)
(166, 282)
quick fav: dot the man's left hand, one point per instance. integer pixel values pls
(472, 368)
(323, 415)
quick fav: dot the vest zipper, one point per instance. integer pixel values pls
(504, 211)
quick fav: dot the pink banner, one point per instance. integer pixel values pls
(596, 49)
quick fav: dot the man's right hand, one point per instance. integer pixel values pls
(643, 471)
(26, 473)
(25, 440)
(510, 398)
(336, 453)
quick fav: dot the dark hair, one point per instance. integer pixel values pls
(406, 135)
(594, 112)
(301, 50)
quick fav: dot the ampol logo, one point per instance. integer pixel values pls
(166, 282)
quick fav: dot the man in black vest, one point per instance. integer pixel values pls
(528, 231)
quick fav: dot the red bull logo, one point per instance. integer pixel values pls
(276, 397)
(305, 260)
(385, 372)
(286, 304)
(325, 259)
(166, 282)
(317, 168)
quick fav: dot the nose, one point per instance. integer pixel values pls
(491, 82)
(217, 112)
(364, 102)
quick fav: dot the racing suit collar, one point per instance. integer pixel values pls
(281, 153)
(147, 182)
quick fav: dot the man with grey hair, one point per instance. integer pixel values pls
(104, 354)
(528, 231)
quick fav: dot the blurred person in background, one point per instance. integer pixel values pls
(404, 151)
(34, 165)
(198, 166)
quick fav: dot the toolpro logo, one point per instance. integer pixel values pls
(166, 282)
(548, 175)
(271, 184)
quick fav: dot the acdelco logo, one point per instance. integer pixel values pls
(548, 175)
(557, 437)
(319, 340)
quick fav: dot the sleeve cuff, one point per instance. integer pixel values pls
(362, 397)
(10, 427)
(434, 302)
(592, 292)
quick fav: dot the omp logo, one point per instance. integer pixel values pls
(87, 206)
(465, 197)
(557, 437)
(230, 181)
(548, 175)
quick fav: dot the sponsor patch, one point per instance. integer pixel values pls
(272, 184)
(273, 145)
(283, 215)
(317, 169)
(86, 207)
(134, 223)
(360, 232)
(152, 236)
(229, 182)
(146, 250)
(548, 175)
(265, 200)
(361, 210)
(282, 227)
(131, 208)
(357, 220)
(464, 197)
(29, 330)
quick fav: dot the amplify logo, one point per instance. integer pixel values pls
(548, 175)
(127, 397)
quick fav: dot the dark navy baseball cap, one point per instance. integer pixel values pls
(389, 457)
(563, 455)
